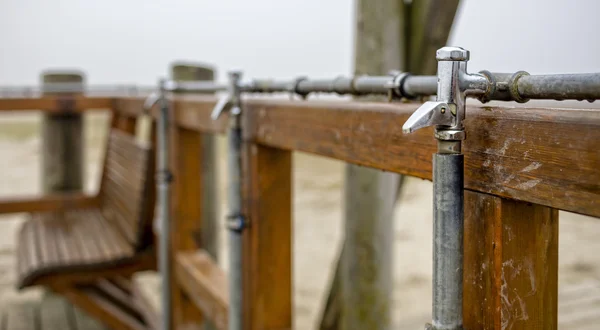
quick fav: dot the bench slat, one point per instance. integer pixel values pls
(105, 236)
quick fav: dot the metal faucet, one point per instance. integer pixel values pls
(446, 114)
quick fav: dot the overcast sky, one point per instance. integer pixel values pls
(133, 41)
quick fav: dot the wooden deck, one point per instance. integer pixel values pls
(579, 307)
(47, 312)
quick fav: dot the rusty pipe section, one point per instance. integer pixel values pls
(522, 87)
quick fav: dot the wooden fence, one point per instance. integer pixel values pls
(522, 165)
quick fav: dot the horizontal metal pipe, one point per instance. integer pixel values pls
(584, 86)
(194, 86)
(420, 86)
(518, 87)
(411, 86)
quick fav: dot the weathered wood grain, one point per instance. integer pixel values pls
(189, 111)
(48, 203)
(267, 241)
(56, 104)
(205, 284)
(186, 203)
(510, 264)
(544, 156)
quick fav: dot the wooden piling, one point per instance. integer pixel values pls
(389, 35)
(197, 209)
(208, 235)
(62, 139)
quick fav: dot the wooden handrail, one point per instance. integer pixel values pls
(57, 104)
(539, 155)
(49, 203)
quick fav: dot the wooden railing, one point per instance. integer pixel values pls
(522, 165)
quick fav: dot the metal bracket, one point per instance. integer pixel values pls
(295, 88)
(236, 223)
(164, 176)
(395, 90)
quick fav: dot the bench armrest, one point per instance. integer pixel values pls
(48, 203)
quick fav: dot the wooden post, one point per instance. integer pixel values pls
(267, 241)
(207, 234)
(370, 195)
(194, 194)
(510, 264)
(389, 35)
(62, 141)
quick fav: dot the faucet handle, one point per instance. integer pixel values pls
(231, 100)
(150, 101)
(222, 105)
(430, 113)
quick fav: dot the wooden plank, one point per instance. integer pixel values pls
(190, 112)
(126, 124)
(205, 284)
(123, 268)
(544, 156)
(510, 264)
(48, 203)
(55, 104)
(100, 308)
(267, 241)
(186, 163)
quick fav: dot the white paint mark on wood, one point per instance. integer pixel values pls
(528, 184)
(531, 167)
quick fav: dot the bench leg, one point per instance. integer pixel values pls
(102, 308)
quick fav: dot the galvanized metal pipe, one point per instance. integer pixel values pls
(236, 222)
(448, 210)
(164, 183)
(200, 86)
(400, 85)
(584, 86)
(519, 86)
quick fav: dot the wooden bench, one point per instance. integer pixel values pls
(87, 247)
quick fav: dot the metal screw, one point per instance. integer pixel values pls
(443, 109)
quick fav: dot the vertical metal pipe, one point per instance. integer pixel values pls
(163, 182)
(448, 210)
(235, 225)
(235, 219)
